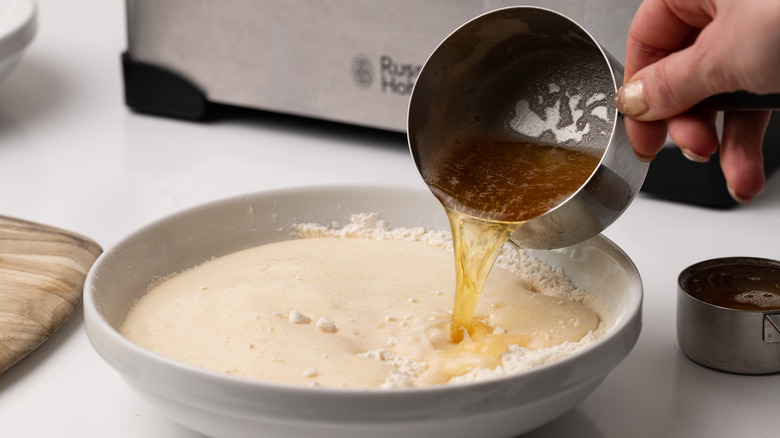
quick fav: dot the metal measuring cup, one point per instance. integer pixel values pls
(533, 74)
(727, 334)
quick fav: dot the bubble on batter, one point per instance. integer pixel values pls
(297, 317)
(326, 325)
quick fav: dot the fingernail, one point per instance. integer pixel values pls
(630, 99)
(645, 158)
(696, 158)
(736, 197)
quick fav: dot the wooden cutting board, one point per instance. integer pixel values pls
(42, 274)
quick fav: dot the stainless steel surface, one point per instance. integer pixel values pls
(736, 341)
(352, 61)
(531, 73)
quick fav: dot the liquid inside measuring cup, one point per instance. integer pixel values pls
(737, 286)
(489, 188)
(507, 180)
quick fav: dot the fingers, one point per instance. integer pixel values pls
(646, 44)
(740, 145)
(741, 155)
(669, 44)
(676, 57)
(649, 46)
(695, 134)
(647, 138)
(668, 87)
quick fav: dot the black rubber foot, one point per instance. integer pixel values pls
(155, 90)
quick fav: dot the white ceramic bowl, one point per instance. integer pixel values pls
(17, 28)
(226, 406)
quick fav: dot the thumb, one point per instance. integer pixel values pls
(668, 87)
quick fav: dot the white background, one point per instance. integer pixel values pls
(73, 156)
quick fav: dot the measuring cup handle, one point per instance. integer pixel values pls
(772, 328)
(739, 101)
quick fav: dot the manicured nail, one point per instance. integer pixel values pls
(736, 197)
(696, 158)
(630, 99)
(645, 158)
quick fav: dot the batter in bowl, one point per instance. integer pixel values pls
(357, 307)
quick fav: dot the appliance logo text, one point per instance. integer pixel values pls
(395, 77)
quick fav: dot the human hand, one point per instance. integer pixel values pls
(680, 52)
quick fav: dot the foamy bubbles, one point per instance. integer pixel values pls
(760, 298)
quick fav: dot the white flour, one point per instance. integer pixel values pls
(543, 278)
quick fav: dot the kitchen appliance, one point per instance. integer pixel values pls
(348, 61)
(351, 61)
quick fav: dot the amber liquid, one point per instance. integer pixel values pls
(489, 188)
(476, 244)
(507, 181)
(737, 286)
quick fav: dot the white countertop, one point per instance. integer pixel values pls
(73, 156)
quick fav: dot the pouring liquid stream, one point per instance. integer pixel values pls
(488, 189)
(476, 244)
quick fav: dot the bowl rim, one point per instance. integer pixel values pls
(99, 330)
(21, 29)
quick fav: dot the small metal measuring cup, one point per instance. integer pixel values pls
(726, 334)
(533, 74)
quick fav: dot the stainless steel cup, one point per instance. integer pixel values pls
(724, 338)
(531, 73)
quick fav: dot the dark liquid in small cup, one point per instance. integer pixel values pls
(737, 286)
